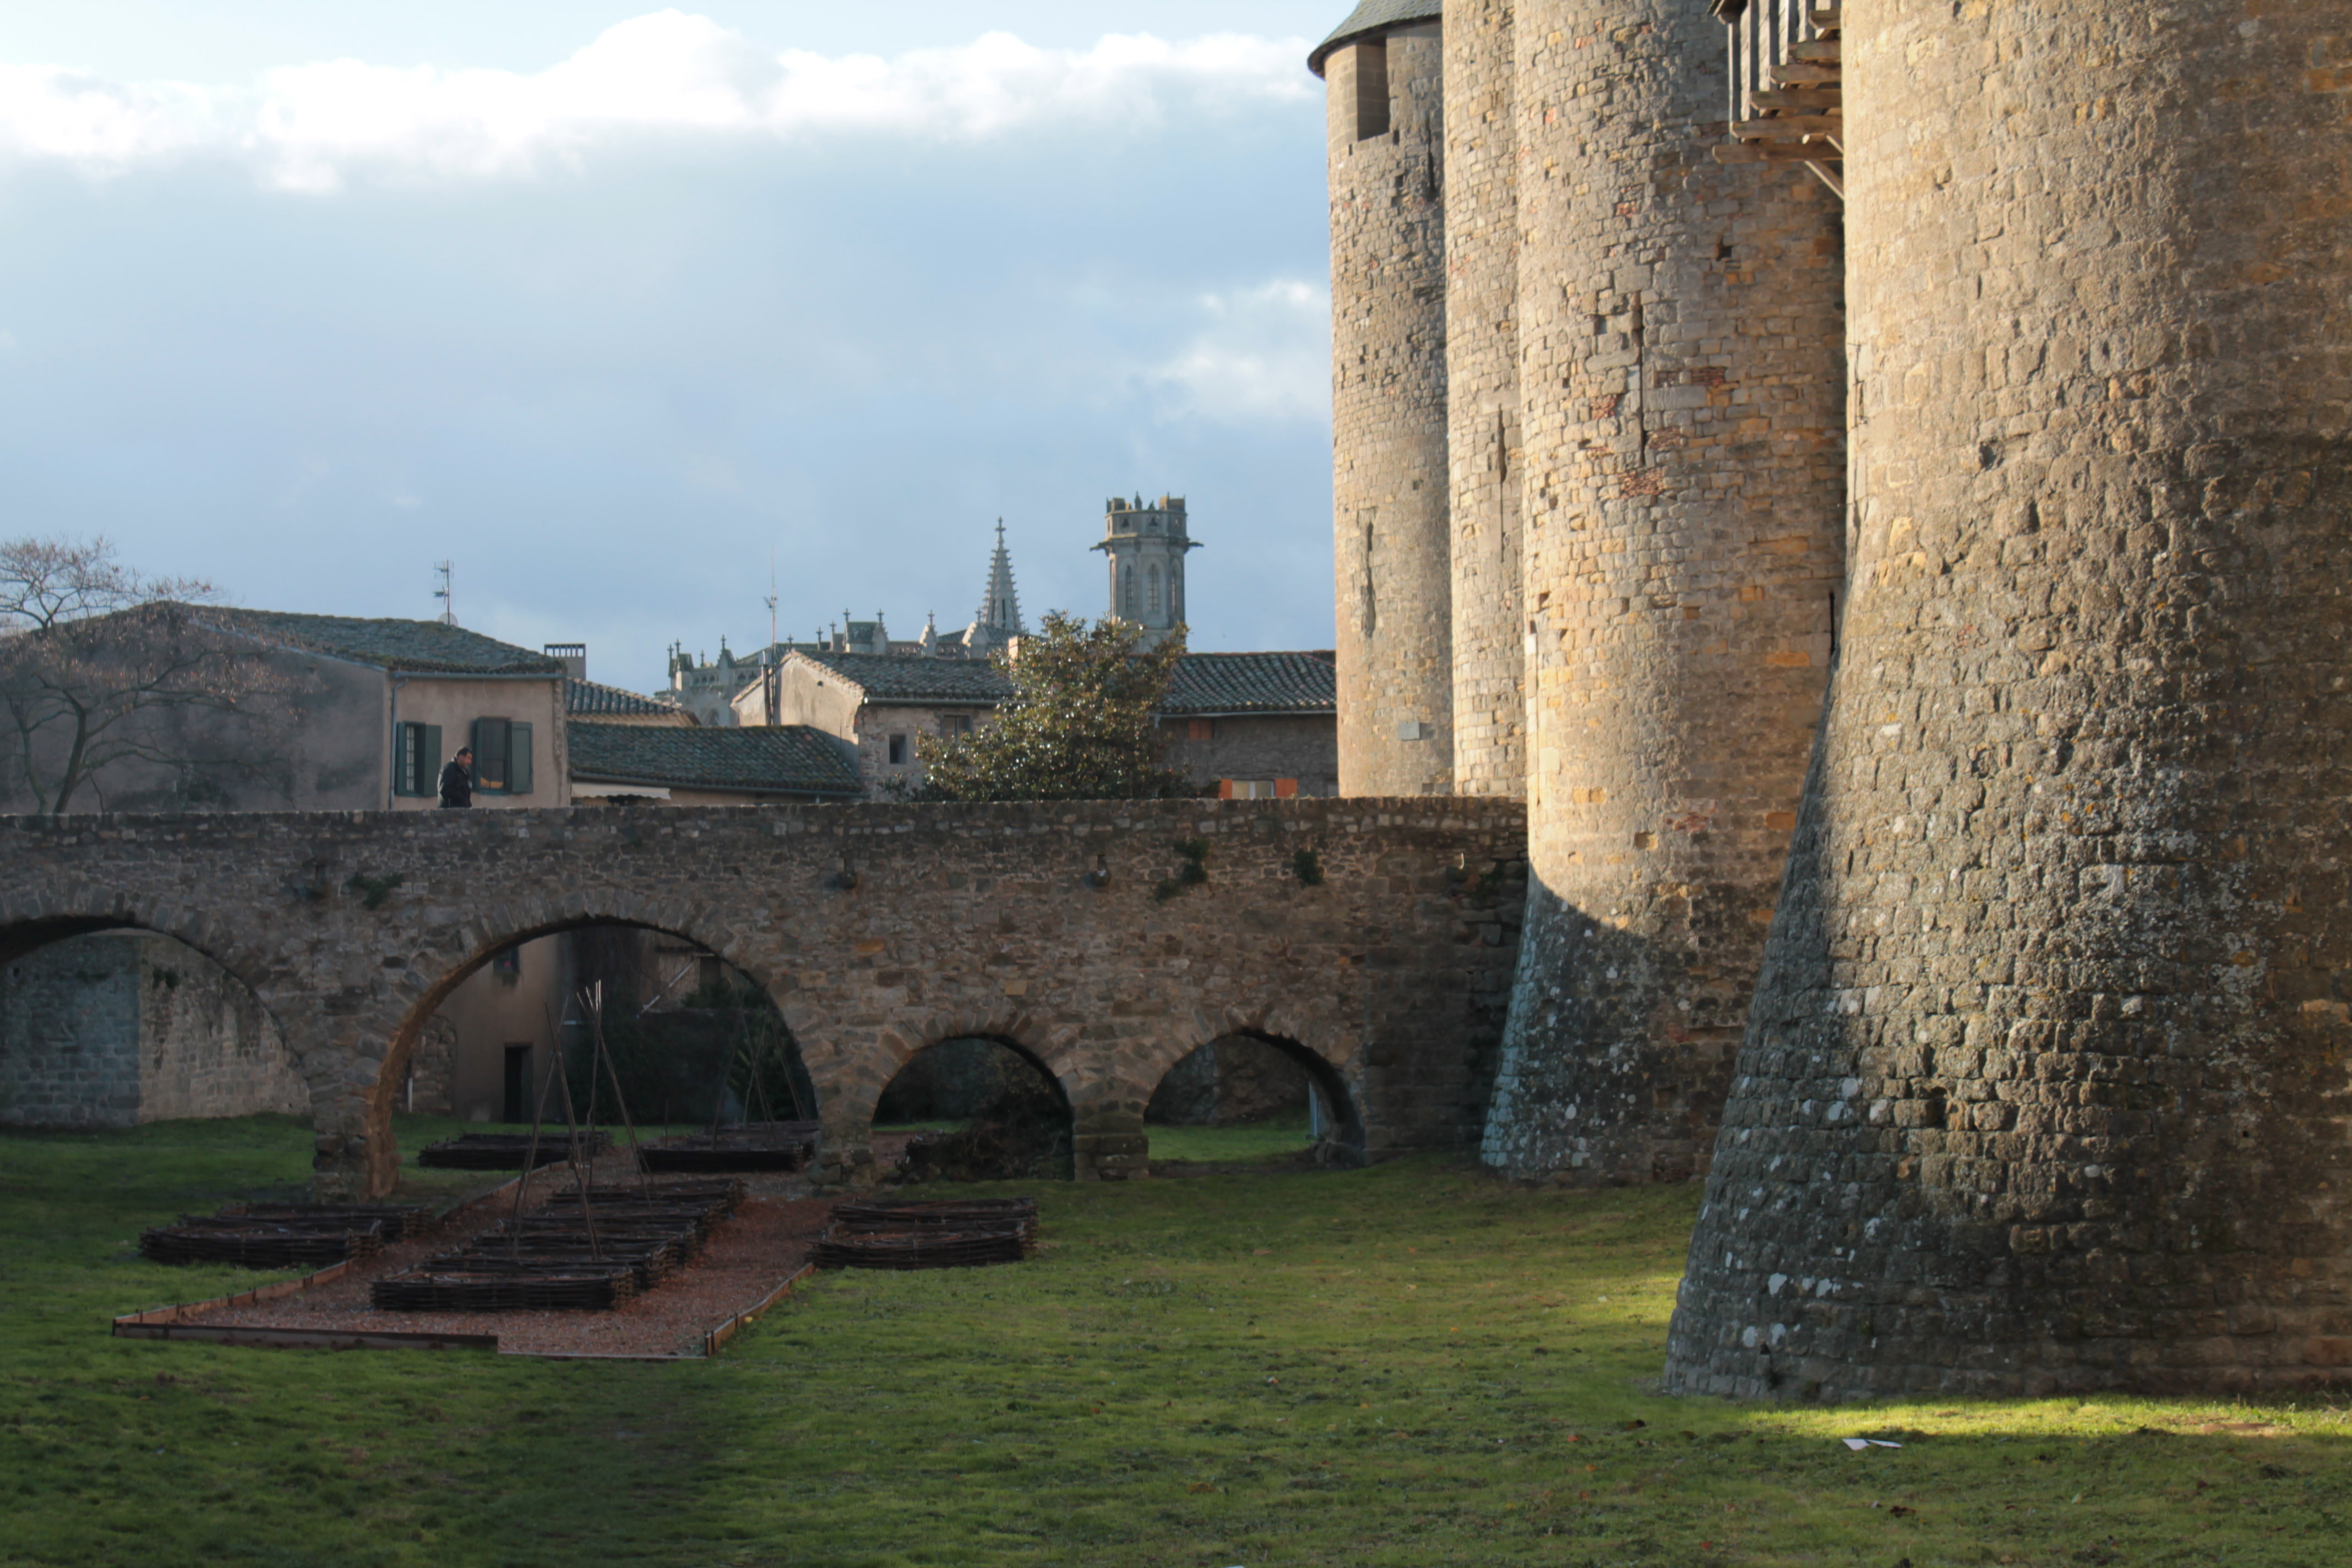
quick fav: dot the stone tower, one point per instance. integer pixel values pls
(999, 619)
(1681, 332)
(2046, 1089)
(1482, 391)
(1385, 125)
(1146, 546)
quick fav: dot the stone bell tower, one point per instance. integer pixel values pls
(1147, 545)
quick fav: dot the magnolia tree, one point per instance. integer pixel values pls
(1080, 725)
(94, 660)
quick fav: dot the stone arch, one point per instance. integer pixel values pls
(860, 1078)
(368, 1121)
(1333, 1063)
(44, 916)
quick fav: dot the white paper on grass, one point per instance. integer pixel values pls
(1859, 1443)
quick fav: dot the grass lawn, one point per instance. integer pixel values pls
(1404, 1365)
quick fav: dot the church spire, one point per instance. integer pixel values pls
(999, 606)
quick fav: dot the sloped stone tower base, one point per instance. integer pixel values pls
(2046, 1084)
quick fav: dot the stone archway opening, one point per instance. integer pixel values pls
(975, 1107)
(1253, 1096)
(104, 1024)
(692, 1039)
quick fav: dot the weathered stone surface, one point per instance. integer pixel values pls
(1482, 395)
(1391, 976)
(1389, 413)
(2045, 1086)
(117, 1029)
(1681, 332)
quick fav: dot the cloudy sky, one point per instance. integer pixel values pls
(609, 304)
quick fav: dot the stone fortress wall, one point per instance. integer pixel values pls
(117, 1028)
(2039, 1082)
(1386, 127)
(1685, 480)
(1371, 940)
(2046, 1089)
(1482, 381)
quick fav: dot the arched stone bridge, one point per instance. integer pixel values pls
(1371, 939)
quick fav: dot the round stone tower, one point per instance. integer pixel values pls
(1680, 324)
(1481, 396)
(1382, 69)
(2047, 1088)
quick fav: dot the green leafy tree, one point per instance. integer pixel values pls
(1080, 725)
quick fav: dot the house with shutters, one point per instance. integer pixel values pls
(365, 713)
(1239, 725)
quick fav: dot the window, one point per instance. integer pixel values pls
(955, 724)
(1201, 729)
(506, 960)
(502, 756)
(1153, 597)
(898, 750)
(417, 760)
(1371, 89)
(1126, 592)
(1247, 789)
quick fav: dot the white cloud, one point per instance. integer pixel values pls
(1265, 354)
(314, 127)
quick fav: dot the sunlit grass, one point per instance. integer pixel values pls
(1404, 1365)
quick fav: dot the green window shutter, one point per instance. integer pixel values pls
(518, 759)
(429, 759)
(490, 755)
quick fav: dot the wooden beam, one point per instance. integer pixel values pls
(1772, 152)
(1787, 128)
(1828, 99)
(1827, 17)
(1822, 52)
(1789, 73)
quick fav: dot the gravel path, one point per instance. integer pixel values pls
(763, 1244)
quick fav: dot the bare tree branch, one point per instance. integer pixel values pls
(91, 652)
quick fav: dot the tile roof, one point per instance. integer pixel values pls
(1204, 683)
(896, 678)
(1373, 17)
(589, 697)
(1208, 683)
(424, 646)
(785, 759)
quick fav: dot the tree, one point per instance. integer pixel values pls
(91, 652)
(1080, 725)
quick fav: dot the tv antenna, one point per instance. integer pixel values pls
(444, 571)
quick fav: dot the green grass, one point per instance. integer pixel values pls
(1404, 1365)
(1251, 1143)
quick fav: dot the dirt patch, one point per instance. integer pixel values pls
(765, 1242)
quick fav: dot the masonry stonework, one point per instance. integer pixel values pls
(2045, 1087)
(1060, 930)
(1389, 469)
(1482, 382)
(117, 1029)
(1684, 477)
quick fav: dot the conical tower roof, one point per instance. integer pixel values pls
(999, 606)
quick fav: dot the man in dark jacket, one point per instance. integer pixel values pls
(458, 780)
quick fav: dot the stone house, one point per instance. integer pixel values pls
(1240, 725)
(372, 709)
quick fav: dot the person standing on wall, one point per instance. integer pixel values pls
(458, 780)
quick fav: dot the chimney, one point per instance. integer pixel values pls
(574, 655)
